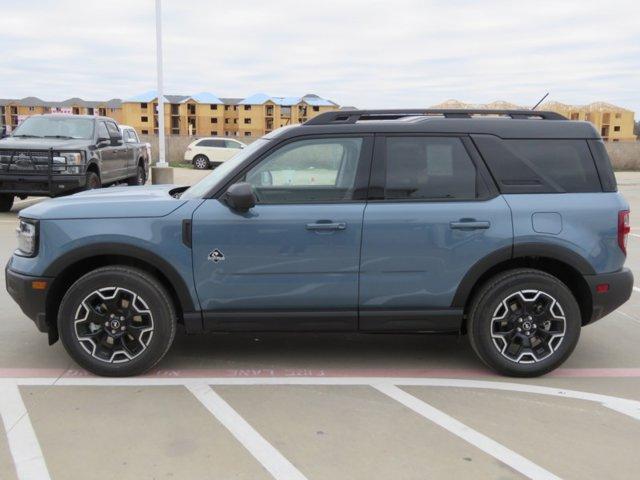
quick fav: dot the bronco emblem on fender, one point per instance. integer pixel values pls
(216, 256)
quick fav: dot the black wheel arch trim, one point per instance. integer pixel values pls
(518, 250)
(125, 250)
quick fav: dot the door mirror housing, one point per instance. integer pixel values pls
(240, 197)
(116, 140)
(102, 141)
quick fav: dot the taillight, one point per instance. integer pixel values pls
(623, 229)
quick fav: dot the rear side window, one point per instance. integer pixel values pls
(211, 143)
(231, 144)
(540, 166)
(429, 168)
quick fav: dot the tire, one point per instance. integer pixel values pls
(93, 181)
(94, 310)
(201, 162)
(140, 177)
(524, 323)
(6, 202)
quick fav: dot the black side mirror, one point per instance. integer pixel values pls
(117, 140)
(240, 197)
(101, 141)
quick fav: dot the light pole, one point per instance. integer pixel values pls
(161, 173)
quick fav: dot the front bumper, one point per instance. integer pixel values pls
(619, 291)
(40, 184)
(32, 301)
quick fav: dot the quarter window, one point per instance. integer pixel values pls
(429, 168)
(308, 171)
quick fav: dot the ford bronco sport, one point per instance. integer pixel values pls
(48, 155)
(503, 225)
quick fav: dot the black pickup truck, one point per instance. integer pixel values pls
(49, 155)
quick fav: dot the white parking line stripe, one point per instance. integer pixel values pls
(475, 438)
(23, 443)
(636, 289)
(635, 235)
(270, 458)
(628, 316)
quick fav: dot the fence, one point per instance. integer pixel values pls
(624, 155)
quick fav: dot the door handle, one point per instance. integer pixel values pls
(469, 225)
(326, 226)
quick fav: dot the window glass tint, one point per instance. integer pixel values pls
(231, 144)
(428, 168)
(318, 170)
(566, 165)
(102, 131)
(211, 143)
(114, 132)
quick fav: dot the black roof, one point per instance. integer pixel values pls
(502, 123)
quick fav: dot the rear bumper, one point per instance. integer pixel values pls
(31, 301)
(620, 288)
(40, 184)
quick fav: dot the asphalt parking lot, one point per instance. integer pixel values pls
(321, 406)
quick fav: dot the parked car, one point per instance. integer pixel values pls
(211, 152)
(130, 137)
(48, 155)
(507, 228)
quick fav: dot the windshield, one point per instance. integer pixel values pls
(208, 182)
(55, 127)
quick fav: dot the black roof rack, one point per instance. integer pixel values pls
(352, 116)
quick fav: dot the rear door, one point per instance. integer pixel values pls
(433, 214)
(131, 141)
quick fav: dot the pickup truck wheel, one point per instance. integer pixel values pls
(6, 202)
(200, 162)
(117, 321)
(524, 323)
(93, 181)
(140, 177)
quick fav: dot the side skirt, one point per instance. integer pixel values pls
(410, 321)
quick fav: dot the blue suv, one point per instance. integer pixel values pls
(503, 225)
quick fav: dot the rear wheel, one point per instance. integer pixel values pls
(524, 323)
(6, 202)
(93, 181)
(117, 321)
(139, 179)
(201, 162)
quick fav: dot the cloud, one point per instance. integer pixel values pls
(364, 53)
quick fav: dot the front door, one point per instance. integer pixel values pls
(434, 214)
(291, 262)
(120, 150)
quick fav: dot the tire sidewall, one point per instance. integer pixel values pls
(482, 313)
(90, 177)
(201, 157)
(164, 321)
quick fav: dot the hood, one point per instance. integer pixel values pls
(18, 143)
(111, 202)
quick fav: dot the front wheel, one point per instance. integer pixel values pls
(93, 181)
(6, 202)
(117, 321)
(524, 323)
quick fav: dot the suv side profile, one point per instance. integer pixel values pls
(502, 225)
(209, 153)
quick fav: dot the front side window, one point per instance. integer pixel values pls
(102, 131)
(430, 168)
(113, 130)
(308, 171)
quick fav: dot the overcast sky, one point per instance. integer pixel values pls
(363, 53)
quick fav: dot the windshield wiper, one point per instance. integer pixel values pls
(57, 136)
(27, 136)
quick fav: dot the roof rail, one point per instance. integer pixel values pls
(352, 116)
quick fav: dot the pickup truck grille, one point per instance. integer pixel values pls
(24, 161)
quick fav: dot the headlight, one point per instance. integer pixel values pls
(27, 233)
(68, 162)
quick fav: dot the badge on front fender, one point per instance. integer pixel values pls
(216, 256)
